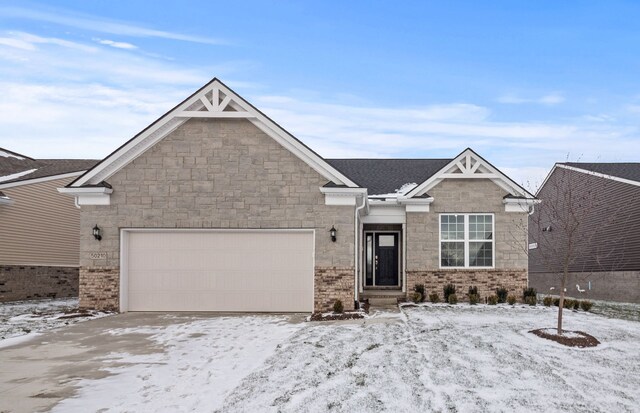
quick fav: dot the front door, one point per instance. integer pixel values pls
(382, 259)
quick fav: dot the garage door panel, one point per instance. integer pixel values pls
(220, 271)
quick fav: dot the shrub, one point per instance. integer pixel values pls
(529, 292)
(501, 293)
(419, 288)
(416, 297)
(453, 299)
(448, 290)
(434, 298)
(568, 303)
(586, 305)
(556, 302)
(576, 305)
(492, 300)
(511, 299)
(473, 290)
(338, 307)
(473, 299)
(531, 300)
(547, 301)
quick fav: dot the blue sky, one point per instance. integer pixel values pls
(526, 84)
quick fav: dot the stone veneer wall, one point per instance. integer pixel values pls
(213, 173)
(331, 284)
(99, 288)
(486, 280)
(28, 282)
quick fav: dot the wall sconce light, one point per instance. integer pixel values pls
(333, 231)
(97, 233)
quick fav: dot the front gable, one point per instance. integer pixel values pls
(213, 101)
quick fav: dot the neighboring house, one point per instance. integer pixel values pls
(39, 227)
(215, 207)
(605, 199)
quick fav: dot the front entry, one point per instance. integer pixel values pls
(382, 259)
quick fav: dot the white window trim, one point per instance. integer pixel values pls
(467, 240)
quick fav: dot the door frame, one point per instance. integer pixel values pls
(124, 254)
(364, 258)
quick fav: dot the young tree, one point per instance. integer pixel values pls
(565, 230)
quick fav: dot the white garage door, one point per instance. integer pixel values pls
(261, 270)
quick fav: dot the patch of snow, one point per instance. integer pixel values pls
(16, 175)
(404, 189)
(202, 362)
(567, 334)
(12, 341)
(10, 155)
(25, 317)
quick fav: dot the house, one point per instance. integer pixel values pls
(215, 207)
(39, 228)
(600, 204)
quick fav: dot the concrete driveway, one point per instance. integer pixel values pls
(37, 374)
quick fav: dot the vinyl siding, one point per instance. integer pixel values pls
(41, 227)
(608, 238)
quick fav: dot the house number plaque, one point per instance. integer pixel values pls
(98, 255)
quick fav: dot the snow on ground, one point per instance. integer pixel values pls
(20, 318)
(426, 358)
(203, 361)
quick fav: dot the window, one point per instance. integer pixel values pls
(466, 240)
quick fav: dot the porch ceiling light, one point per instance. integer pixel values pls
(97, 232)
(333, 231)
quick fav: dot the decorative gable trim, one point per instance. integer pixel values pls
(470, 165)
(213, 100)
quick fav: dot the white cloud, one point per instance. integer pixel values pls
(97, 24)
(117, 45)
(549, 99)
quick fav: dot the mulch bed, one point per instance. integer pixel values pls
(336, 316)
(585, 340)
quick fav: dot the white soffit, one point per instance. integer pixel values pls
(470, 165)
(214, 100)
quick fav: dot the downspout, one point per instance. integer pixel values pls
(357, 249)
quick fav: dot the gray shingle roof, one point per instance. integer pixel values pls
(625, 170)
(10, 165)
(385, 176)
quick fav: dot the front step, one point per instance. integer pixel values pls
(381, 298)
(382, 301)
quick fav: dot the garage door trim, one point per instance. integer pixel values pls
(124, 252)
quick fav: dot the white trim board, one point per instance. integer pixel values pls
(41, 179)
(205, 103)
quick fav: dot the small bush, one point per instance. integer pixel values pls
(474, 299)
(576, 305)
(529, 292)
(547, 301)
(568, 303)
(453, 299)
(434, 298)
(556, 302)
(511, 299)
(416, 297)
(531, 300)
(448, 290)
(586, 305)
(502, 293)
(338, 308)
(419, 288)
(473, 290)
(492, 300)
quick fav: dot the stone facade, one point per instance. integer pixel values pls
(486, 280)
(622, 286)
(28, 282)
(99, 288)
(222, 173)
(331, 284)
(510, 240)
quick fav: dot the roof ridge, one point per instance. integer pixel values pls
(388, 159)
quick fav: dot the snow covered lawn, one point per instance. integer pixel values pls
(20, 318)
(426, 358)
